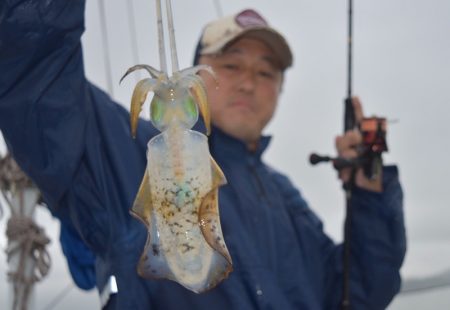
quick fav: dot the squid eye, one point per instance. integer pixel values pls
(157, 109)
(190, 107)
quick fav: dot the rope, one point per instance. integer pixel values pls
(11, 179)
(11, 174)
(29, 240)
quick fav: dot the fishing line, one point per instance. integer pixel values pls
(106, 58)
(161, 41)
(133, 36)
(173, 46)
(63, 294)
(218, 6)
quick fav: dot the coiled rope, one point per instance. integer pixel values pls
(25, 238)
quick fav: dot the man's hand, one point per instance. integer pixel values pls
(348, 145)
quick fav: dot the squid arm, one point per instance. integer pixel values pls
(140, 92)
(198, 90)
(143, 87)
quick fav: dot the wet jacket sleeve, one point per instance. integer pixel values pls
(377, 246)
(378, 243)
(43, 104)
(43, 89)
(69, 136)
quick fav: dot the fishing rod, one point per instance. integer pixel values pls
(349, 124)
(369, 159)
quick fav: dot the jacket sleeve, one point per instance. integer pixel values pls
(378, 243)
(43, 89)
(377, 246)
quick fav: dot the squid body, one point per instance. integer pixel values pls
(178, 196)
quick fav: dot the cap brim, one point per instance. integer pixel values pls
(269, 36)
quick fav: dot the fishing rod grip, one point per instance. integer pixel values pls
(349, 115)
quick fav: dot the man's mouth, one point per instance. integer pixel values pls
(244, 104)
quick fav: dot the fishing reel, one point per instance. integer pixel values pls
(373, 130)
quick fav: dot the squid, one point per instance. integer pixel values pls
(178, 196)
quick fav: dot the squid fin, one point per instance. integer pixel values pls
(209, 216)
(152, 263)
(142, 206)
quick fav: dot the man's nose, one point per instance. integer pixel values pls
(247, 81)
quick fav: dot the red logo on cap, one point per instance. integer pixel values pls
(250, 18)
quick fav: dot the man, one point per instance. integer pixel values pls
(75, 144)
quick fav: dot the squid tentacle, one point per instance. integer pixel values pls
(152, 71)
(194, 70)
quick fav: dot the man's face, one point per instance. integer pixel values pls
(244, 98)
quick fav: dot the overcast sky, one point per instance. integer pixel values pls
(401, 71)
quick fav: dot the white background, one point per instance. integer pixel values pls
(401, 71)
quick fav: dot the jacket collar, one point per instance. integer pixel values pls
(225, 146)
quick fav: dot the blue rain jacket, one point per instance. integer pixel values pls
(75, 143)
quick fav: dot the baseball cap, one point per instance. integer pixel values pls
(219, 33)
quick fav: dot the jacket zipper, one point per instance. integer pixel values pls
(259, 184)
